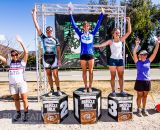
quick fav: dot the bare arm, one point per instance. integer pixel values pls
(129, 30)
(4, 60)
(151, 58)
(106, 43)
(135, 58)
(24, 48)
(59, 55)
(34, 16)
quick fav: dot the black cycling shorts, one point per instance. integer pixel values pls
(86, 57)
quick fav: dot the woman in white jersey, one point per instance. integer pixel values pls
(17, 84)
(116, 62)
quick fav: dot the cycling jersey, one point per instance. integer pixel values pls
(86, 39)
(16, 71)
(49, 44)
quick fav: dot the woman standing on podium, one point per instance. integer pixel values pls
(116, 62)
(51, 54)
(143, 80)
(87, 50)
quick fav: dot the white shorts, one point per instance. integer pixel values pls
(51, 66)
(18, 88)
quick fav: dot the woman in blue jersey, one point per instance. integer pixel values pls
(143, 83)
(17, 83)
(51, 53)
(87, 52)
(116, 62)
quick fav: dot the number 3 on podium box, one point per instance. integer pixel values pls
(113, 108)
(120, 107)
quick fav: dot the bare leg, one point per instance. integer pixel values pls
(90, 66)
(17, 104)
(139, 98)
(16, 101)
(84, 72)
(56, 77)
(113, 75)
(144, 98)
(25, 101)
(120, 71)
(49, 76)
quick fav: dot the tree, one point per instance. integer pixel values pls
(144, 20)
(31, 60)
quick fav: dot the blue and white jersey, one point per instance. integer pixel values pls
(49, 44)
(87, 39)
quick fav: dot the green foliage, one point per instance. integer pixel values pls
(31, 60)
(143, 24)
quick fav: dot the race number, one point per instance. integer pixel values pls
(113, 108)
(64, 106)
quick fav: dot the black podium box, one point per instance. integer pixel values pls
(119, 107)
(54, 108)
(87, 106)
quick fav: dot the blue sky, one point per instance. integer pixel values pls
(15, 18)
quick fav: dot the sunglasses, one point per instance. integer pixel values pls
(14, 55)
(49, 30)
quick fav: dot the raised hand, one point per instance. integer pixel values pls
(70, 7)
(137, 41)
(102, 9)
(18, 38)
(128, 19)
(34, 11)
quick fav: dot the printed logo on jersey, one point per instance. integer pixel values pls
(50, 41)
(87, 39)
(50, 44)
(146, 65)
(16, 72)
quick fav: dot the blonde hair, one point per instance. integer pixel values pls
(85, 23)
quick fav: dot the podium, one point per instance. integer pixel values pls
(54, 108)
(87, 106)
(120, 108)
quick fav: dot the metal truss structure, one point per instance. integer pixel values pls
(44, 10)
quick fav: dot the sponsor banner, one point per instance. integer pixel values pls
(88, 104)
(50, 118)
(125, 107)
(124, 116)
(50, 107)
(88, 117)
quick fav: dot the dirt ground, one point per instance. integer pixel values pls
(7, 110)
(69, 87)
